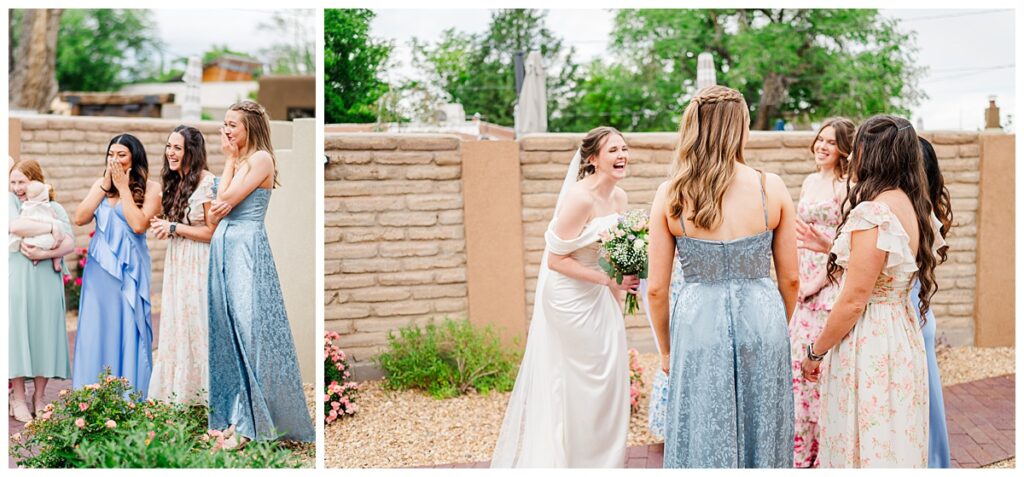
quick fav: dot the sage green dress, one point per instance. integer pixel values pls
(37, 336)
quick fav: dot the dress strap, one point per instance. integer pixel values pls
(764, 199)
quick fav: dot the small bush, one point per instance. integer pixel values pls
(73, 282)
(107, 425)
(448, 360)
(339, 389)
(636, 380)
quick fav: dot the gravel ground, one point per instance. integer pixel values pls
(411, 429)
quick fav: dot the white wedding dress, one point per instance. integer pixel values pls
(570, 404)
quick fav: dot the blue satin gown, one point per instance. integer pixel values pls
(114, 327)
(938, 437)
(255, 383)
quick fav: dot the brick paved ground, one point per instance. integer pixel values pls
(980, 416)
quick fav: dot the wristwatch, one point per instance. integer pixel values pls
(814, 357)
(174, 226)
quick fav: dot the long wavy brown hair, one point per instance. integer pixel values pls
(712, 134)
(257, 131)
(844, 129)
(938, 193)
(591, 146)
(33, 172)
(887, 156)
(179, 185)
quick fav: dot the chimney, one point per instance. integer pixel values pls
(992, 114)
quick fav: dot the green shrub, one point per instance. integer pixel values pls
(107, 425)
(448, 360)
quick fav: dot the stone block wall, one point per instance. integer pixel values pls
(394, 243)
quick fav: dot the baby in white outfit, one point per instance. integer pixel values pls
(37, 208)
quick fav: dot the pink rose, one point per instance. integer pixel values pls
(110, 424)
(80, 423)
(82, 406)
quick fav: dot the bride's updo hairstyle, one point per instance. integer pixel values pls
(591, 146)
(712, 134)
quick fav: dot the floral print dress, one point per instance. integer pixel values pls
(874, 383)
(181, 371)
(807, 322)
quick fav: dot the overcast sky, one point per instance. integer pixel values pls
(969, 53)
(193, 32)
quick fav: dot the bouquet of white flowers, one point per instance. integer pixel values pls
(624, 251)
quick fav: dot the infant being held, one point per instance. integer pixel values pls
(37, 209)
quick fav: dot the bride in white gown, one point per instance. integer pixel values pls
(570, 404)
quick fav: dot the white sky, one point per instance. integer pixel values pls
(193, 32)
(953, 44)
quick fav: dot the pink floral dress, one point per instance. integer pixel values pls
(807, 322)
(874, 383)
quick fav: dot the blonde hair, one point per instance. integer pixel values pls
(712, 134)
(257, 131)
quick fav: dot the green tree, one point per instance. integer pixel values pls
(296, 52)
(478, 71)
(352, 66)
(103, 49)
(787, 63)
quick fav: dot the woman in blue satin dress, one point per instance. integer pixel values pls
(114, 328)
(255, 384)
(726, 346)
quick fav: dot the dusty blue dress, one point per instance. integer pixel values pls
(938, 437)
(730, 395)
(114, 327)
(255, 382)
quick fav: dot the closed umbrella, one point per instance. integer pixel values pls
(532, 108)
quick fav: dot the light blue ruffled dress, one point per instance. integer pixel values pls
(730, 396)
(938, 437)
(255, 382)
(114, 327)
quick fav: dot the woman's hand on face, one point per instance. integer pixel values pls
(810, 369)
(228, 147)
(220, 209)
(119, 178)
(810, 238)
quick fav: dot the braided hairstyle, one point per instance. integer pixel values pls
(887, 156)
(712, 134)
(591, 146)
(257, 131)
(179, 185)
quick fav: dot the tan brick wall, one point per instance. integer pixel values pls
(544, 159)
(71, 152)
(394, 242)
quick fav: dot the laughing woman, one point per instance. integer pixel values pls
(114, 328)
(255, 388)
(181, 370)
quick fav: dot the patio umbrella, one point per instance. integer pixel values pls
(531, 110)
(705, 70)
(191, 110)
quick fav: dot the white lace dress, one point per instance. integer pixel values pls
(570, 404)
(181, 368)
(874, 383)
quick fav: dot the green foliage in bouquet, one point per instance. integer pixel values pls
(108, 425)
(448, 360)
